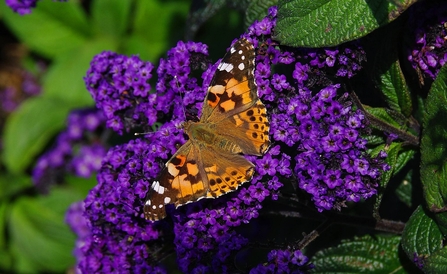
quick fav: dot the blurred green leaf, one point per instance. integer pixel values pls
(433, 145)
(12, 184)
(5, 260)
(111, 17)
(5, 255)
(64, 79)
(421, 236)
(3, 218)
(152, 27)
(81, 185)
(29, 128)
(317, 23)
(52, 28)
(145, 49)
(39, 235)
(360, 255)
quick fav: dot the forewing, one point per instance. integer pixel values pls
(180, 182)
(233, 88)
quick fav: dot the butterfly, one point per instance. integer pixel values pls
(233, 122)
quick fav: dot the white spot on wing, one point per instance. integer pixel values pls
(225, 66)
(241, 66)
(232, 50)
(243, 57)
(167, 200)
(148, 202)
(158, 188)
(154, 207)
(240, 51)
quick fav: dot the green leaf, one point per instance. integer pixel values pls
(64, 79)
(257, 9)
(433, 145)
(421, 235)
(405, 155)
(111, 17)
(441, 220)
(29, 128)
(39, 236)
(51, 29)
(365, 254)
(396, 91)
(404, 190)
(437, 262)
(374, 140)
(384, 116)
(317, 23)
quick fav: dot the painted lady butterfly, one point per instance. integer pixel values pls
(233, 122)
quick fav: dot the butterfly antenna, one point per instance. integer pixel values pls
(142, 133)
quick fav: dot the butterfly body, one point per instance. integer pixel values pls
(233, 122)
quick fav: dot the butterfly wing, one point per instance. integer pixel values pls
(233, 87)
(180, 182)
(226, 172)
(232, 101)
(249, 129)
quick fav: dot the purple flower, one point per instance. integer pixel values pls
(284, 261)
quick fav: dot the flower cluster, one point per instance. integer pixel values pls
(284, 261)
(120, 86)
(119, 238)
(316, 136)
(78, 150)
(333, 166)
(427, 54)
(117, 84)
